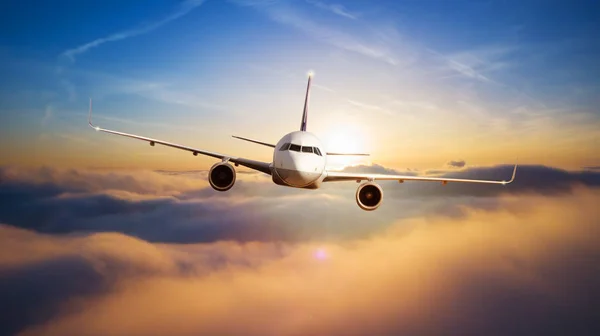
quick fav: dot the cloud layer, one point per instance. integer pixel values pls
(153, 253)
(180, 207)
(530, 268)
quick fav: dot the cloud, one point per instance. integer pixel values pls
(48, 113)
(477, 63)
(69, 88)
(182, 208)
(183, 9)
(457, 164)
(287, 15)
(529, 267)
(369, 107)
(336, 9)
(375, 169)
(168, 207)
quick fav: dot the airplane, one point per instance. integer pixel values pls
(299, 161)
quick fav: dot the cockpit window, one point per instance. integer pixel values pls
(298, 148)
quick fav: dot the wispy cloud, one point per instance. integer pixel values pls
(181, 98)
(183, 9)
(477, 63)
(324, 88)
(139, 123)
(330, 35)
(369, 107)
(460, 68)
(336, 9)
(69, 88)
(289, 16)
(457, 163)
(47, 114)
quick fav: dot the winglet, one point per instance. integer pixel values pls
(90, 118)
(305, 112)
(513, 175)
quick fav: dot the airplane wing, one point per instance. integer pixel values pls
(256, 165)
(254, 141)
(340, 176)
(348, 154)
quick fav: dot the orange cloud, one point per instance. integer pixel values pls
(528, 268)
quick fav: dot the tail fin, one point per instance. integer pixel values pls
(305, 113)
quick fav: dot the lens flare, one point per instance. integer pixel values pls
(320, 254)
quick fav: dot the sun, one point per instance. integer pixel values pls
(345, 138)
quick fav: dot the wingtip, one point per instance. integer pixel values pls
(90, 118)
(90, 114)
(514, 174)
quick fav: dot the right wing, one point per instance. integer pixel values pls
(348, 154)
(333, 176)
(254, 141)
(256, 165)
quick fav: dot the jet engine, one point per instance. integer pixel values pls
(369, 196)
(221, 176)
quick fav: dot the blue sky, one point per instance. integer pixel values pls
(459, 88)
(415, 74)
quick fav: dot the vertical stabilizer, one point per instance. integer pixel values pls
(305, 113)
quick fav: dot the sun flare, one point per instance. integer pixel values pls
(345, 138)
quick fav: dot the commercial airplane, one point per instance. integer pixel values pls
(299, 161)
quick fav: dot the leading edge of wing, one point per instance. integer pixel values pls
(254, 141)
(252, 164)
(349, 154)
(340, 176)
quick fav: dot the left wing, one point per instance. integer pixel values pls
(339, 176)
(256, 165)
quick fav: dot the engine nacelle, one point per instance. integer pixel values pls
(369, 196)
(221, 176)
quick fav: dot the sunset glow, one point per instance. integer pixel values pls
(105, 234)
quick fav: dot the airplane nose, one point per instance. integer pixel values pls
(297, 178)
(292, 177)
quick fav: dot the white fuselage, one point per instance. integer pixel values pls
(299, 161)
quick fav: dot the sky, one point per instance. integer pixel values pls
(414, 83)
(103, 235)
